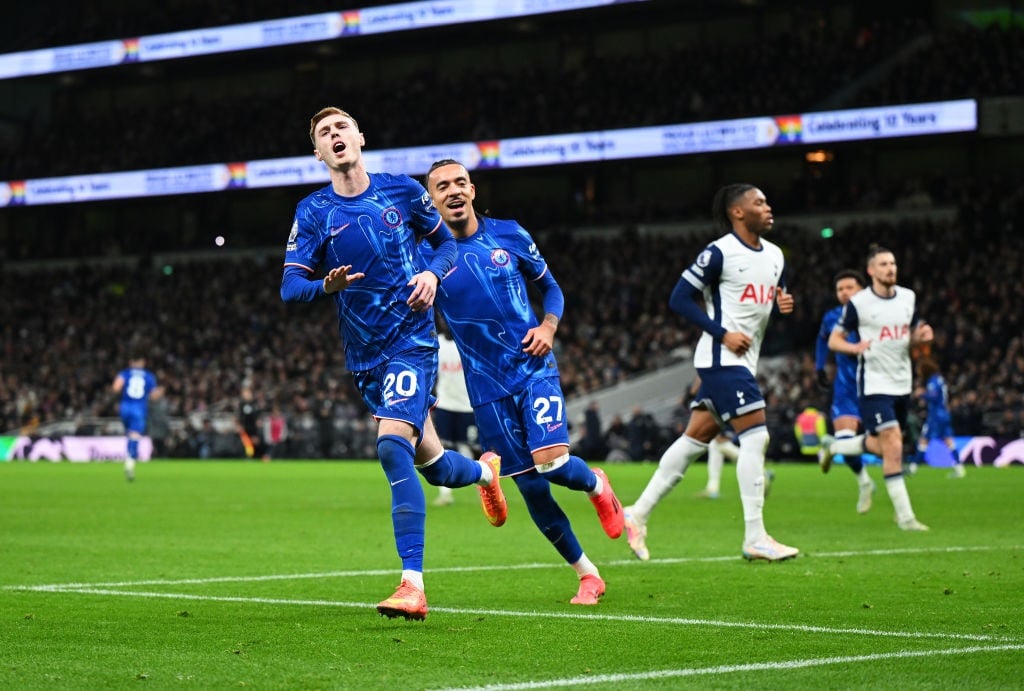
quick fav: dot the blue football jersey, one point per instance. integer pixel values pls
(138, 384)
(484, 299)
(376, 233)
(846, 365)
(936, 395)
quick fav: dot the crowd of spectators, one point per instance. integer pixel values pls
(962, 63)
(213, 329)
(228, 351)
(188, 118)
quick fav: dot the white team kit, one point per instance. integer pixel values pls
(739, 284)
(884, 368)
(451, 381)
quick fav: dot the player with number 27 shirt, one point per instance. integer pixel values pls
(510, 370)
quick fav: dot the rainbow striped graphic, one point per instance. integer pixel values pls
(130, 47)
(490, 154)
(791, 128)
(17, 193)
(350, 23)
(238, 176)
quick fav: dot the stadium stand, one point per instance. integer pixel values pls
(150, 262)
(184, 114)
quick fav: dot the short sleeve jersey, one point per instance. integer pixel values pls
(884, 368)
(739, 284)
(376, 233)
(138, 384)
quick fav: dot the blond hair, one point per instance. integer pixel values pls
(323, 113)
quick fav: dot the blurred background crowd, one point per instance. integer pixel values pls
(576, 75)
(85, 285)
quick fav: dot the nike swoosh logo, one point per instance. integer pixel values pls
(335, 231)
(397, 482)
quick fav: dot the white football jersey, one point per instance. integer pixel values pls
(739, 285)
(884, 368)
(451, 381)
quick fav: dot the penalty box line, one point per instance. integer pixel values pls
(620, 618)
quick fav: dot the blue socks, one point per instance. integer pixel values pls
(408, 504)
(451, 470)
(573, 473)
(548, 515)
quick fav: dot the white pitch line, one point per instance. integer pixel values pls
(628, 618)
(731, 669)
(276, 577)
(505, 567)
(913, 550)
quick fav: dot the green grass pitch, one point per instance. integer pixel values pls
(227, 575)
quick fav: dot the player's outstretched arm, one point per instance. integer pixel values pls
(339, 279)
(297, 287)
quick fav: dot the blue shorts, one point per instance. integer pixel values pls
(516, 426)
(452, 428)
(844, 402)
(881, 412)
(134, 421)
(728, 392)
(940, 428)
(399, 388)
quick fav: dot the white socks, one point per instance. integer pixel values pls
(895, 485)
(726, 448)
(716, 459)
(862, 477)
(585, 567)
(414, 577)
(486, 476)
(750, 475)
(849, 445)
(897, 489)
(671, 468)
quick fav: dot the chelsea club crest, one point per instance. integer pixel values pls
(499, 257)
